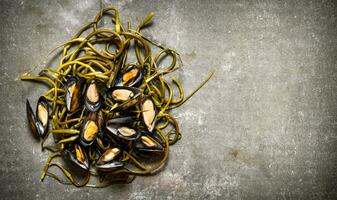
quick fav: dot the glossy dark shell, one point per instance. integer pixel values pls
(109, 165)
(122, 120)
(106, 167)
(72, 157)
(32, 122)
(92, 107)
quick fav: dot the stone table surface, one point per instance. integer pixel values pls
(265, 126)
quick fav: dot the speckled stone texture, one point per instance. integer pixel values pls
(264, 127)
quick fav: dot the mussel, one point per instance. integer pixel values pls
(74, 93)
(123, 132)
(79, 157)
(149, 113)
(89, 130)
(109, 160)
(42, 113)
(38, 122)
(131, 77)
(148, 144)
(92, 97)
(32, 120)
(123, 94)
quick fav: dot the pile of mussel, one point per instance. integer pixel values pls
(106, 114)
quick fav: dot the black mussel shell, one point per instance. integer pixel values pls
(108, 160)
(32, 122)
(123, 132)
(92, 97)
(149, 113)
(89, 130)
(131, 77)
(122, 120)
(79, 157)
(74, 88)
(42, 114)
(106, 167)
(147, 143)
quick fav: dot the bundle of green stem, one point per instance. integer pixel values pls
(109, 116)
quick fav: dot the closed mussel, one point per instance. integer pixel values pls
(89, 130)
(92, 97)
(109, 160)
(149, 113)
(78, 157)
(74, 89)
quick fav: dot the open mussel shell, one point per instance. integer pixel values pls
(92, 97)
(123, 94)
(32, 121)
(149, 113)
(109, 160)
(123, 132)
(89, 130)
(78, 157)
(147, 143)
(74, 90)
(131, 77)
(42, 114)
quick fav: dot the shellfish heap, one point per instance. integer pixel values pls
(108, 115)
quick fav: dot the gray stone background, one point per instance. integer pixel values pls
(263, 128)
